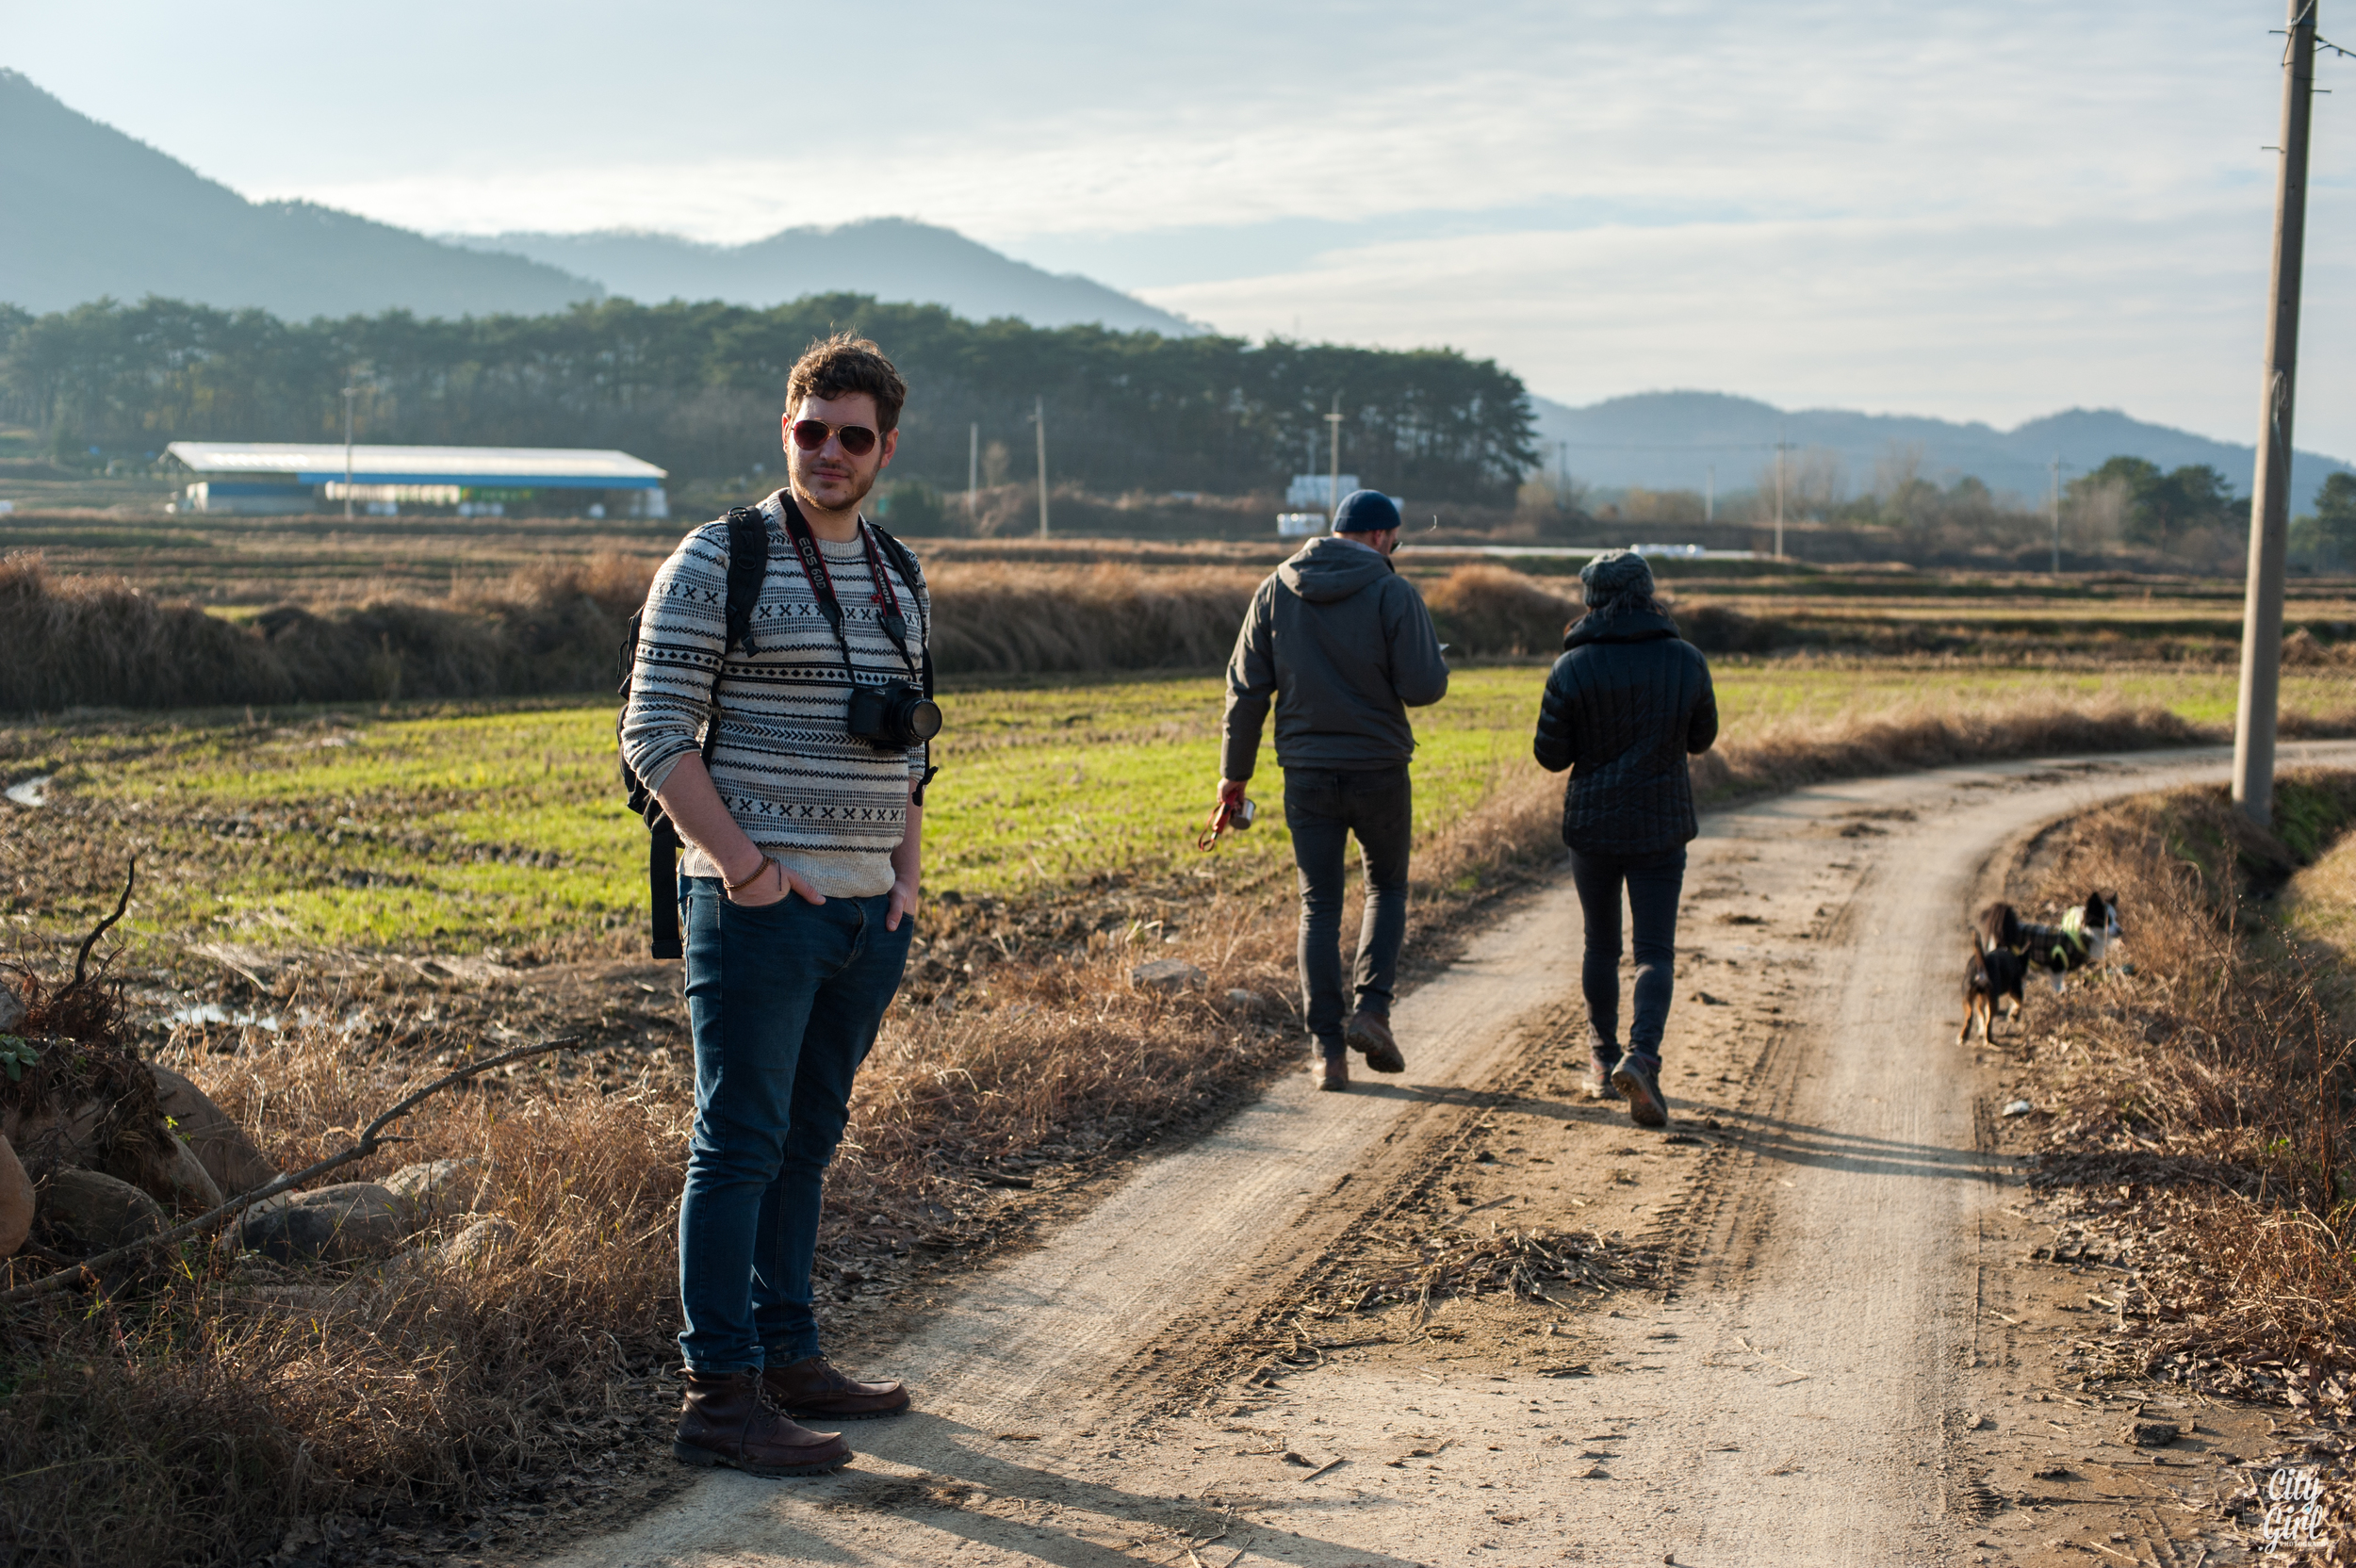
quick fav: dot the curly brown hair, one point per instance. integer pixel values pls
(839, 365)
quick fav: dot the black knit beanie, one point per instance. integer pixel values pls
(1616, 575)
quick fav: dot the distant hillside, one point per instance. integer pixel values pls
(886, 258)
(91, 212)
(1666, 440)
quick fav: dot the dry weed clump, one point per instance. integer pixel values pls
(1009, 620)
(2194, 1122)
(1458, 1259)
(96, 642)
(1490, 612)
(194, 1422)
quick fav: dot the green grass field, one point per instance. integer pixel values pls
(502, 828)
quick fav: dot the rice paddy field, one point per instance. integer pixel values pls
(498, 827)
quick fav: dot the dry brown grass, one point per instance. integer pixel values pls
(98, 642)
(2198, 1102)
(1793, 753)
(1013, 620)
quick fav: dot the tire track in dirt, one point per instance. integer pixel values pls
(1789, 1397)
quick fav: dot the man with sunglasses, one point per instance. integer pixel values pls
(798, 896)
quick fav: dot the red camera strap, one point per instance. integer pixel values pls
(895, 624)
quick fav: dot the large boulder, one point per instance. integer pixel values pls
(436, 1189)
(16, 1201)
(222, 1147)
(104, 1212)
(11, 1010)
(351, 1219)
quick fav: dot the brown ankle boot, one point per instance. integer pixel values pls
(812, 1387)
(726, 1421)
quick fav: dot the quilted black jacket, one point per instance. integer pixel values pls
(1625, 704)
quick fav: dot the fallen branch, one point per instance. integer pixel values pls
(369, 1142)
(81, 959)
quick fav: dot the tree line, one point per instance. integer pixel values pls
(697, 388)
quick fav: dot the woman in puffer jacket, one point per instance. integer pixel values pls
(1625, 706)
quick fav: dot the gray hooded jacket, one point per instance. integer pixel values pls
(1344, 646)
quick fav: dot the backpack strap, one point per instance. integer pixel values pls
(904, 564)
(748, 567)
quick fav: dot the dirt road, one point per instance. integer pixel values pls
(1164, 1380)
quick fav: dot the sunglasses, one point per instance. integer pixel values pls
(810, 434)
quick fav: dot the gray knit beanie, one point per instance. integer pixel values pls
(1616, 575)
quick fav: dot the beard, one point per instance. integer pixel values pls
(840, 496)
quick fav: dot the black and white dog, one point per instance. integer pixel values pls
(2005, 947)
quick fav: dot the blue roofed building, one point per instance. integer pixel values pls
(261, 477)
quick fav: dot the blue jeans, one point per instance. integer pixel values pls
(1653, 885)
(785, 1000)
(1323, 808)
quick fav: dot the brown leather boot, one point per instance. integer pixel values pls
(726, 1421)
(1332, 1072)
(1371, 1033)
(811, 1386)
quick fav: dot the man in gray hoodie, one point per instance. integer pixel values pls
(1343, 646)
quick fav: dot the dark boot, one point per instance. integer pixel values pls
(1332, 1071)
(1639, 1078)
(1599, 1067)
(813, 1388)
(725, 1421)
(1371, 1033)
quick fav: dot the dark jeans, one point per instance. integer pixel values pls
(1322, 807)
(1653, 884)
(785, 1000)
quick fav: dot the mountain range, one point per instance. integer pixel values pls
(91, 212)
(891, 258)
(1670, 440)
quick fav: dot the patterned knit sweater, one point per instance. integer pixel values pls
(831, 809)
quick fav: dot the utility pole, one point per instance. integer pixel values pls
(1710, 494)
(2052, 496)
(2270, 500)
(973, 466)
(1781, 447)
(350, 393)
(1334, 478)
(1039, 418)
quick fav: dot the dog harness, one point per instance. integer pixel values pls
(2072, 932)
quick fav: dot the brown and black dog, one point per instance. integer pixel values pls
(2004, 948)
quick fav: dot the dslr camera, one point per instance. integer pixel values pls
(893, 716)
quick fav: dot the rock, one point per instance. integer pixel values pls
(351, 1219)
(102, 1211)
(475, 1245)
(222, 1147)
(16, 1201)
(2152, 1434)
(11, 1010)
(434, 1190)
(1242, 1001)
(2018, 1107)
(1168, 975)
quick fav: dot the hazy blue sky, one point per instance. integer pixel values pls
(1981, 209)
